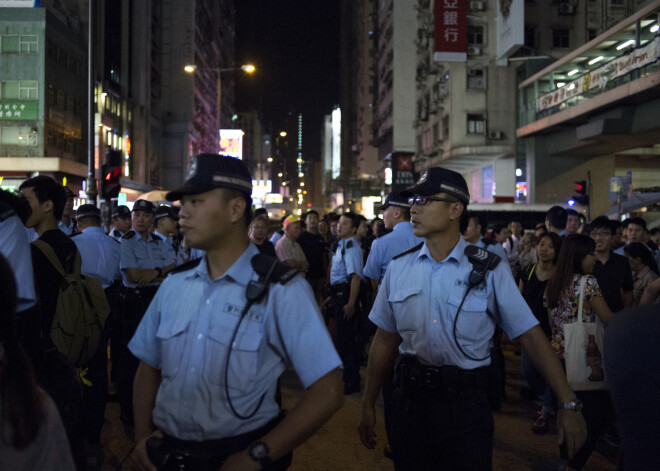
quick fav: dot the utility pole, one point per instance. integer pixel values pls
(91, 190)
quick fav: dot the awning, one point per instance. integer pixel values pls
(635, 201)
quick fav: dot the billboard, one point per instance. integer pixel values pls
(450, 31)
(231, 143)
(510, 27)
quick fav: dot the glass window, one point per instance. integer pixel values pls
(9, 43)
(560, 38)
(28, 44)
(475, 124)
(9, 90)
(475, 34)
(27, 89)
(475, 79)
(9, 135)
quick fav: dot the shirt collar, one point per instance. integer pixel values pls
(457, 253)
(162, 236)
(402, 226)
(94, 229)
(342, 243)
(241, 271)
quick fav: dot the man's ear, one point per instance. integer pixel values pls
(47, 206)
(236, 208)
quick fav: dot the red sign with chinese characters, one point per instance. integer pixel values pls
(450, 31)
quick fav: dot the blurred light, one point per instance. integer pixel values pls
(283, 183)
(630, 42)
(560, 84)
(279, 174)
(305, 192)
(299, 190)
(249, 68)
(571, 86)
(655, 28)
(234, 118)
(596, 59)
(190, 68)
(571, 202)
(302, 183)
(301, 174)
(269, 159)
(63, 181)
(573, 72)
(283, 134)
(518, 172)
(299, 160)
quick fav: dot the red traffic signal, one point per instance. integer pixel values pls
(580, 187)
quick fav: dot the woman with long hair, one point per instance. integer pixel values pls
(576, 260)
(643, 266)
(533, 281)
(32, 435)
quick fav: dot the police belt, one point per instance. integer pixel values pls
(141, 292)
(340, 290)
(170, 453)
(448, 381)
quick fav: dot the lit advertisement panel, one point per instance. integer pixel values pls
(450, 32)
(231, 143)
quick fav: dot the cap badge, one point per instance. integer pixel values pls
(192, 170)
(422, 179)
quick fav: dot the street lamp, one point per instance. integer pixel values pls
(247, 68)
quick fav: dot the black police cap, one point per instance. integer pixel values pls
(210, 171)
(144, 205)
(440, 180)
(121, 211)
(395, 198)
(86, 211)
(164, 211)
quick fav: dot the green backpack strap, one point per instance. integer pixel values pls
(52, 257)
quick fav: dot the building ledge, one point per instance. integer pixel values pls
(43, 164)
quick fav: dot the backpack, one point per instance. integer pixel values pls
(80, 312)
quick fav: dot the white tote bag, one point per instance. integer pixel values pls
(583, 346)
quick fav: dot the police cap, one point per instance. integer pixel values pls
(440, 180)
(121, 211)
(210, 171)
(164, 211)
(395, 198)
(144, 205)
(86, 211)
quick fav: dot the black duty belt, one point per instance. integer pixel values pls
(445, 380)
(340, 290)
(142, 291)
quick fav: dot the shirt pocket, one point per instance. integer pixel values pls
(172, 337)
(405, 302)
(474, 325)
(243, 362)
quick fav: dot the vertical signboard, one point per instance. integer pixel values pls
(231, 143)
(450, 18)
(403, 175)
(510, 27)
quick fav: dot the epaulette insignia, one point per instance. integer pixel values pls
(185, 267)
(349, 244)
(129, 235)
(155, 237)
(410, 250)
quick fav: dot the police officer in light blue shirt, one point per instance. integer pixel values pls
(121, 222)
(396, 216)
(436, 308)
(165, 223)
(209, 360)
(474, 234)
(100, 253)
(67, 224)
(345, 275)
(145, 260)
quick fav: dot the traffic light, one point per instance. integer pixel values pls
(581, 193)
(110, 174)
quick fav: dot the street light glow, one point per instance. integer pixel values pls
(269, 159)
(630, 42)
(248, 68)
(190, 68)
(283, 134)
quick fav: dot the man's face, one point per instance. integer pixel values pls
(39, 210)
(362, 230)
(388, 217)
(656, 238)
(312, 222)
(142, 221)
(205, 219)
(618, 235)
(635, 233)
(500, 237)
(603, 238)
(433, 217)
(572, 224)
(259, 230)
(167, 226)
(473, 231)
(68, 208)
(345, 227)
(516, 228)
(122, 224)
(333, 228)
(293, 230)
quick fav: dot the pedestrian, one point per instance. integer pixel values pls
(611, 269)
(528, 250)
(259, 234)
(555, 220)
(572, 221)
(512, 246)
(67, 222)
(55, 374)
(121, 222)
(210, 359)
(145, 260)
(313, 245)
(441, 413)
(100, 255)
(33, 436)
(532, 284)
(643, 265)
(288, 249)
(345, 276)
(474, 234)
(563, 298)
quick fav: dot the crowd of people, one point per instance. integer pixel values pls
(422, 295)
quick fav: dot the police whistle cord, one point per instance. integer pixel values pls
(255, 291)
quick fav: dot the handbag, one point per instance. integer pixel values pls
(583, 346)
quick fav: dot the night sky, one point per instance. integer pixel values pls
(295, 46)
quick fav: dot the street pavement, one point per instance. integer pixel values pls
(336, 445)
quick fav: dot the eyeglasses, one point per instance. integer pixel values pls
(595, 235)
(422, 200)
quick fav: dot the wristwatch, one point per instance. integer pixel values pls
(574, 405)
(259, 452)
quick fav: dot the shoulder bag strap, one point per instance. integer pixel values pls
(583, 283)
(50, 254)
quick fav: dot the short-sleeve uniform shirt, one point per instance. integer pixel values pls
(185, 333)
(15, 247)
(386, 247)
(100, 254)
(347, 260)
(419, 299)
(137, 252)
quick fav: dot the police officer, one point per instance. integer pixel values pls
(121, 222)
(165, 223)
(100, 255)
(396, 216)
(67, 223)
(191, 409)
(474, 234)
(145, 260)
(441, 300)
(345, 276)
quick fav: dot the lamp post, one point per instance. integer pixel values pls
(247, 68)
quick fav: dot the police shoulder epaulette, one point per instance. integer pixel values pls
(6, 212)
(129, 235)
(410, 250)
(185, 267)
(349, 244)
(282, 273)
(156, 237)
(75, 234)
